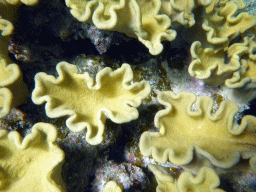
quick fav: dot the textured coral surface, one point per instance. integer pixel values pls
(214, 135)
(159, 39)
(206, 180)
(89, 103)
(141, 19)
(33, 163)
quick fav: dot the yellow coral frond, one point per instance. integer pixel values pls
(87, 103)
(206, 180)
(221, 24)
(214, 135)
(29, 164)
(112, 186)
(210, 66)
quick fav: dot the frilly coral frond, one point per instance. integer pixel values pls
(209, 64)
(26, 2)
(214, 135)
(206, 180)
(6, 27)
(141, 19)
(10, 74)
(5, 102)
(241, 87)
(11, 79)
(33, 163)
(112, 186)
(87, 103)
(182, 10)
(222, 25)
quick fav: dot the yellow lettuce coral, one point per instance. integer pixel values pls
(149, 21)
(210, 66)
(241, 87)
(141, 19)
(10, 75)
(221, 24)
(184, 130)
(87, 103)
(18, 2)
(206, 180)
(5, 102)
(112, 186)
(181, 11)
(33, 163)
(11, 79)
(8, 15)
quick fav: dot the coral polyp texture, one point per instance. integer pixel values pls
(205, 180)
(33, 163)
(185, 130)
(149, 21)
(87, 103)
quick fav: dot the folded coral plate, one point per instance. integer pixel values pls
(33, 163)
(87, 103)
(205, 180)
(10, 74)
(214, 135)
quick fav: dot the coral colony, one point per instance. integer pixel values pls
(127, 95)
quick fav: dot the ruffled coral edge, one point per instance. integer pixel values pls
(247, 123)
(14, 69)
(7, 97)
(95, 10)
(6, 27)
(104, 113)
(14, 83)
(231, 18)
(213, 75)
(53, 177)
(26, 2)
(112, 186)
(186, 179)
